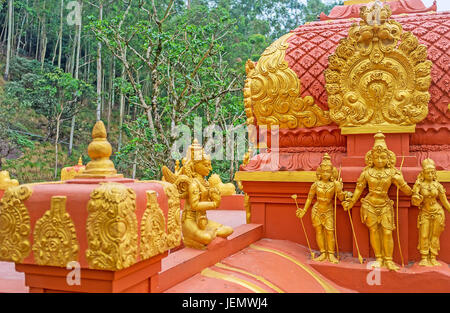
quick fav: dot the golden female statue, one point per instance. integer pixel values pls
(198, 230)
(431, 220)
(322, 213)
(377, 211)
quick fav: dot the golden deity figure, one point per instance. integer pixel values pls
(377, 210)
(431, 221)
(198, 230)
(327, 186)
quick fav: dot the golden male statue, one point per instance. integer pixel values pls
(322, 213)
(377, 211)
(431, 219)
(198, 230)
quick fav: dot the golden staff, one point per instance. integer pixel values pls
(398, 229)
(303, 226)
(354, 236)
(335, 205)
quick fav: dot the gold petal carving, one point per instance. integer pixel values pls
(173, 217)
(112, 229)
(379, 75)
(55, 239)
(272, 92)
(153, 228)
(15, 224)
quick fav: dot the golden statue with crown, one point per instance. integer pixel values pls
(377, 209)
(326, 188)
(200, 196)
(431, 219)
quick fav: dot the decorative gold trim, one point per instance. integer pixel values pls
(217, 275)
(112, 228)
(373, 129)
(153, 228)
(272, 92)
(379, 74)
(326, 286)
(281, 176)
(15, 224)
(173, 216)
(260, 278)
(443, 176)
(55, 238)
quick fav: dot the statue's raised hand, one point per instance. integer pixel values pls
(214, 194)
(300, 213)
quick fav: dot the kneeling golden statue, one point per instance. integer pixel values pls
(431, 220)
(198, 230)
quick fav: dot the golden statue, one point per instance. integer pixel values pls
(322, 214)
(198, 230)
(225, 189)
(431, 220)
(6, 181)
(377, 211)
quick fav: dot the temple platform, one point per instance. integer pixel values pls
(246, 262)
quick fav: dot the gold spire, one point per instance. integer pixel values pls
(80, 160)
(99, 150)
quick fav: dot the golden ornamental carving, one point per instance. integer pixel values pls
(112, 229)
(55, 239)
(379, 75)
(272, 92)
(15, 224)
(173, 216)
(153, 228)
(6, 181)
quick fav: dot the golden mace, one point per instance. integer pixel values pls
(303, 226)
(398, 229)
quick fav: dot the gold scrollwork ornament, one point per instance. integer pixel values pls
(272, 92)
(379, 75)
(55, 239)
(15, 224)
(112, 229)
(153, 228)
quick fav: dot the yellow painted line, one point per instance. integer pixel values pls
(214, 274)
(260, 278)
(326, 286)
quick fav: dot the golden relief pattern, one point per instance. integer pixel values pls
(173, 217)
(112, 229)
(374, 80)
(55, 239)
(153, 228)
(15, 224)
(272, 92)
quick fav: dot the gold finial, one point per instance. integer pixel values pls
(80, 160)
(99, 150)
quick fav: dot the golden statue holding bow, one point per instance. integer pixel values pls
(377, 210)
(431, 219)
(198, 230)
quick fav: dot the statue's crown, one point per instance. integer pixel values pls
(428, 164)
(196, 152)
(380, 141)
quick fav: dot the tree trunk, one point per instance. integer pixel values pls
(10, 31)
(44, 38)
(58, 122)
(21, 31)
(61, 33)
(99, 69)
(77, 73)
(122, 107)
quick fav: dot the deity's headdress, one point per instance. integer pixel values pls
(196, 152)
(428, 164)
(380, 146)
(326, 165)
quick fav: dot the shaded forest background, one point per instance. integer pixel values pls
(142, 66)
